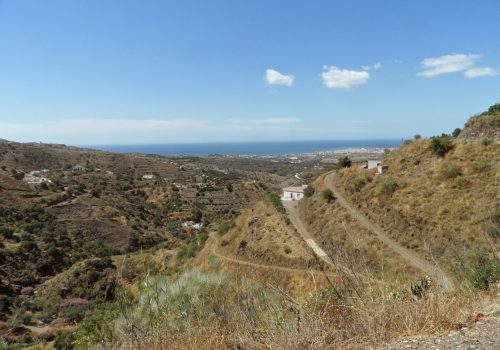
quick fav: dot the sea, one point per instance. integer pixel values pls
(278, 148)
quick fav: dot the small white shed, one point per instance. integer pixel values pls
(373, 163)
(382, 169)
(293, 193)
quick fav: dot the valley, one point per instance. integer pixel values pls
(112, 250)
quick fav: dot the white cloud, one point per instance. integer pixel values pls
(273, 77)
(375, 66)
(336, 78)
(447, 64)
(480, 72)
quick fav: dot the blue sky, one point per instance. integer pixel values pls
(124, 72)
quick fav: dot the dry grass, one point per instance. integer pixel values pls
(325, 321)
(439, 203)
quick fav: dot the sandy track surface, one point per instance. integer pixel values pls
(410, 256)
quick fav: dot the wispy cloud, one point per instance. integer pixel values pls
(273, 77)
(375, 66)
(265, 121)
(447, 64)
(337, 78)
(454, 63)
(131, 131)
(480, 72)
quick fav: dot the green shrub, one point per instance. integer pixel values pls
(491, 222)
(481, 270)
(287, 249)
(357, 184)
(456, 132)
(461, 181)
(494, 108)
(386, 154)
(98, 327)
(387, 185)
(195, 300)
(440, 145)
(275, 199)
(328, 195)
(225, 226)
(64, 341)
(343, 162)
(480, 165)
(417, 137)
(486, 142)
(309, 191)
(450, 171)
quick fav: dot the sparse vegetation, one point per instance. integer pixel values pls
(327, 195)
(387, 185)
(450, 171)
(225, 226)
(343, 162)
(115, 256)
(461, 181)
(480, 270)
(358, 182)
(275, 199)
(309, 191)
(491, 222)
(486, 141)
(440, 145)
(481, 165)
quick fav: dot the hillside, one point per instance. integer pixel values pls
(58, 236)
(442, 208)
(205, 254)
(483, 126)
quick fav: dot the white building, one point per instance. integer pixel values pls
(382, 169)
(79, 169)
(192, 224)
(373, 163)
(148, 177)
(35, 180)
(293, 193)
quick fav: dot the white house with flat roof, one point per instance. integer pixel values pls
(293, 193)
(373, 163)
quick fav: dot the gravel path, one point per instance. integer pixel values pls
(215, 243)
(291, 208)
(483, 334)
(407, 254)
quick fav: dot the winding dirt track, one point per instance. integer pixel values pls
(214, 252)
(411, 257)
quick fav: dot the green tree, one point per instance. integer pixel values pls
(456, 132)
(309, 191)
(328, 195)
(343, 162)
(440, 145)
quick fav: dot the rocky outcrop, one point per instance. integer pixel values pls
(483, 126)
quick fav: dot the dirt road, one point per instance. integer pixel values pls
(411, 257)
(291, 208)
(215, 243)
